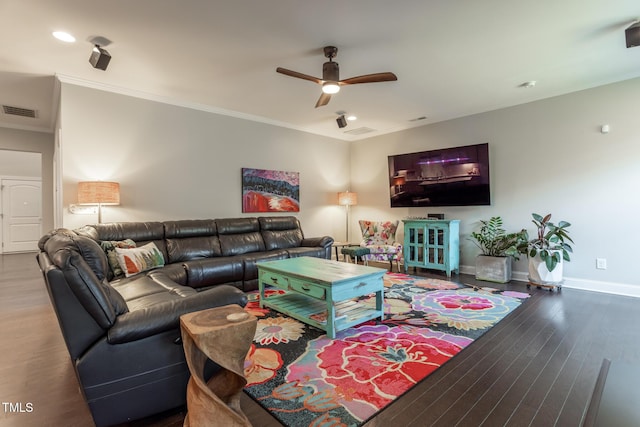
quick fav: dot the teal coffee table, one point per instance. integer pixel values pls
(321, 292)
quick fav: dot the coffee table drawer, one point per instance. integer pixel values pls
(307, 288)
(274, 279)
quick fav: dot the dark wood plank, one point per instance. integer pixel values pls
(494, 384)
(587, 334)
(594, 404)
(524, 341)
(35, 367)
(541, 374)
(450, 381)
(610, 339)
(467, 380)
(537, 367)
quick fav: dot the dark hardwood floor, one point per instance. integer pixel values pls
(538, 367)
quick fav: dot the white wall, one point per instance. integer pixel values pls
(20, 163)
(35, 142)
(180, 163)
(546, 157)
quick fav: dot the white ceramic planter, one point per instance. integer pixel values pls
(540, 275)
(493, 269)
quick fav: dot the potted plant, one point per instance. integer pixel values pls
(547, 251)
(498, 249)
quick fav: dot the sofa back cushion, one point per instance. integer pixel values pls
(140, 232)
(281, 232)
(191, 239)
(239, 236)
(85, 268)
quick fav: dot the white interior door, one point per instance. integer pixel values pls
(21, 215)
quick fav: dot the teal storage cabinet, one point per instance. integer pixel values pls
(433, 244)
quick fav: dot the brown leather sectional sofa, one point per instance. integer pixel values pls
(123, 334)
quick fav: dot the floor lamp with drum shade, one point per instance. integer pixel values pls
(98, 193)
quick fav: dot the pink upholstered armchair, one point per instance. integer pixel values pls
(380, 238)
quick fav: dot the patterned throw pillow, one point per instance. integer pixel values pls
(136, 260)
(109, 247)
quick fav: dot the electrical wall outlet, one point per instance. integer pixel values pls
(601, 263)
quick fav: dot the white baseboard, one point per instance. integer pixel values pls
(575, 283)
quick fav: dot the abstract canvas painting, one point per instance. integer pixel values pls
(270, 191)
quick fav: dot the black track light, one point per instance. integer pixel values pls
(342, 122)
(632, 35)
(99, 58)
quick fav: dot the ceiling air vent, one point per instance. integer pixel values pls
(359, 131)
(17, 111)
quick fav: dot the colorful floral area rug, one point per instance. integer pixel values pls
(304, 378)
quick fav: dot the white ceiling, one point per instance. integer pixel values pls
(452, 58)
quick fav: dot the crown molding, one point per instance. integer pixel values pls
(26, 128)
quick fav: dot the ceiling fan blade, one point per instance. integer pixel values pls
(323, 100)
(298, 75)
(370, 78)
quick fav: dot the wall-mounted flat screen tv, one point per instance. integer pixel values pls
(447, 177)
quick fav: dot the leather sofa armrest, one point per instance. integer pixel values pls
(323, 242)
(165, 316)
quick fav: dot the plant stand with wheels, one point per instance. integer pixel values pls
(551, 286)
(541, 277)
(547, 252)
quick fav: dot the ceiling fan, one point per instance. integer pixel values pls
(330, 80)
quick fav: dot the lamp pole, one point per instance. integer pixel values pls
(348, 209)
(347, 198)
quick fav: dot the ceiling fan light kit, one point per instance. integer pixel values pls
(330, 80)
(330, 88)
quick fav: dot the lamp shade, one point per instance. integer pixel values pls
(347, 198)
(98, 192)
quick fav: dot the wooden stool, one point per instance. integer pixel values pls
(224, 335)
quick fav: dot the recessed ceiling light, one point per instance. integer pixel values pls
(65, 37)
(528, 84)
(352, 118)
